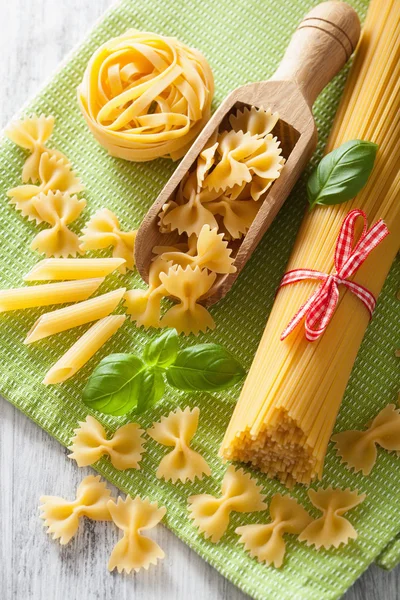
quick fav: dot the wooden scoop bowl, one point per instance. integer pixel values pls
(321, 45)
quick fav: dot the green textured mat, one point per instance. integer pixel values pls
(244, 41)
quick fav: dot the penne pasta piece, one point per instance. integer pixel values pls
(45, 295)
(75, 315)
(83, 350)
(56, 269)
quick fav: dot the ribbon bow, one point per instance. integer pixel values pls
(319, 308)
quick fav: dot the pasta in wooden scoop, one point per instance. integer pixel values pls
(145, 96)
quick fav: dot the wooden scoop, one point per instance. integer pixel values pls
(321, 45)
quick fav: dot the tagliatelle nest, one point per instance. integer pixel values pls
(146, 96)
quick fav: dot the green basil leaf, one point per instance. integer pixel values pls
(162, 351)
(342, 173)
(152, 388)
(207, 367)
(115, 384)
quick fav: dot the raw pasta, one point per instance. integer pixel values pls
(62, 516)
(90, 443)
(144, 306)
(188, 285)
(178, 430)
(74, 316)
(242, 158)
(56, 269)
(236, 165)
(134, 551)
(50, 293)
(256, 121)
(332, 529)
(210, 252)
(188, 212)
(146, 96)
(358, 448)
(265, 541)
(55, 174)
(239, 493)
(59, 210)
(32, 134)
(103, 230)
(83, 350)
(283, 420)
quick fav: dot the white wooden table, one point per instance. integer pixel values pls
(34, 36)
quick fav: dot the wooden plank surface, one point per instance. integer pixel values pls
(34, 36)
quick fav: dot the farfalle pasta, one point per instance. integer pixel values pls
(188, 212)
(144, 306)
(58, 210)
(332, 529)
(239, 493)
(240, 163)
(208, 251)
(242, 157)
(188, 286)
(135, 551)
(32, 133)
(177, 430)
(256, 121)
(265, 542)
(103, 230)
(358, 448)
(62, 516)
(90, 443)
(146, 96)
(55, 174)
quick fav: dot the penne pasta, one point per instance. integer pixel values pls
(45, 295)
(57, 269)
(73, 316)
(83, 350)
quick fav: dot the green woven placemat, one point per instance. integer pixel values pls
(244, 41)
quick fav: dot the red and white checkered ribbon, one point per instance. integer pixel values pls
(319, 308)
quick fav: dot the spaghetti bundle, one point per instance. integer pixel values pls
(289, 403)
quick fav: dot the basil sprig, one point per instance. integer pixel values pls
(342, 173)
(122, 383)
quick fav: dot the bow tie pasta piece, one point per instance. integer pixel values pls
(256, 121)
(265, 542)
(187, 285)
(62, 516)
(54, 175)
(234, 149)
(242, 157)
(90, 443)
(332, 529)
(188, 212)
(103, 230)
(32, 134)
(206, 159)
(358, 448)
(134, 551)
(178, 430)
(211, 252)
(239, 493)
(59, 210)
(146, 96)
(144, 306)
(236, 215)
(265, 166)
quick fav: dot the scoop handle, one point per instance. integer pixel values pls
(320, 46)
